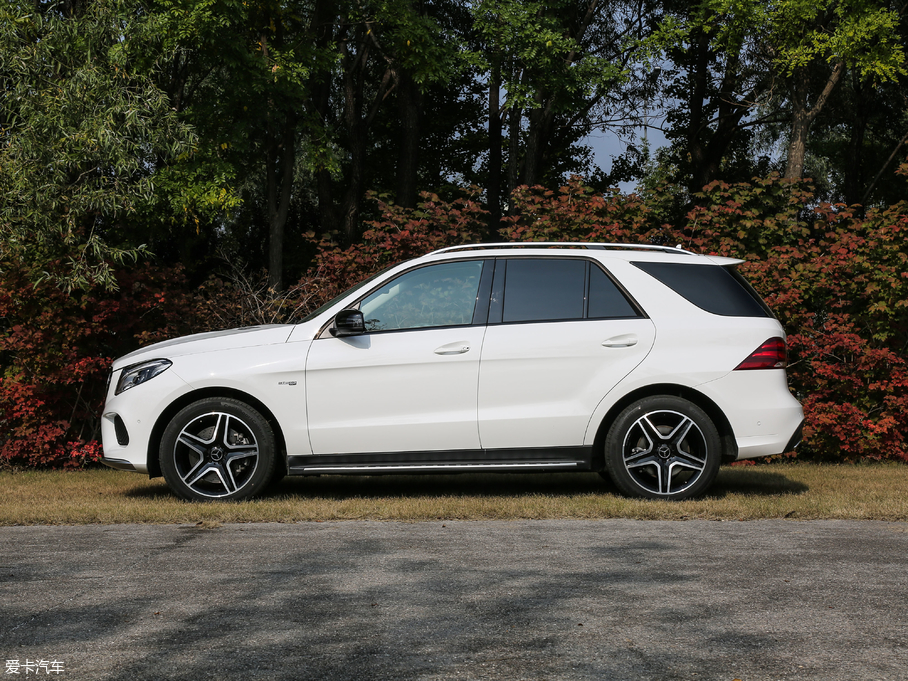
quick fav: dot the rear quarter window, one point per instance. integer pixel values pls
(719, 290)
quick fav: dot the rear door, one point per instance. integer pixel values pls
(561, 335)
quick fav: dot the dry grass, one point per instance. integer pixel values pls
(798, 491)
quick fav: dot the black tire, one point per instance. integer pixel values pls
(217, 449)
(280, 472)
(663, 448)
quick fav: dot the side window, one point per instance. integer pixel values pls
(555, 289)
(543, 290)
(606, 300)
(720, 290)
(437, 295)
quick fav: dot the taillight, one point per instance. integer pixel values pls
(771, 355)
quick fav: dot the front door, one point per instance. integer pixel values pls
(409, 384)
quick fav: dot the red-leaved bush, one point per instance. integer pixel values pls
(55, 353)
(837, 281)
(839, 284)
(399, 234)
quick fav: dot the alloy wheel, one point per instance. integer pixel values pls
(665, 452)
(216, 455)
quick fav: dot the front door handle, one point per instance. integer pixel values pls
(457, 348)
(623, 341)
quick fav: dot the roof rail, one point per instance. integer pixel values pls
(564, 244)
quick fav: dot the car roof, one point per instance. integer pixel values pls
(632, 252)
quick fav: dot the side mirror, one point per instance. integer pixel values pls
(348, 323)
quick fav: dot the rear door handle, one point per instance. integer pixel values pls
(457, 348)
(624, 341)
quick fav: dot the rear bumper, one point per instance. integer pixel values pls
(764, 416)
(796, 438)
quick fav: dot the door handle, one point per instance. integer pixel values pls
(624, 341)
(453, 349)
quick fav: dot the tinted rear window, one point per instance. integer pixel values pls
(715, 289)
(606, 301)
(544, 290)
(555, 289)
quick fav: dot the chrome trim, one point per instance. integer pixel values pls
(564, 244)
(119, 464)
(441, 466)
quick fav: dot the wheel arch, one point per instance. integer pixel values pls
(154, 442)
(726, 434)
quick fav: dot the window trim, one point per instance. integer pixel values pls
(482, 294)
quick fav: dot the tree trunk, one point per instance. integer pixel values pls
(349, 213)
(800, 126)
(854, 160)
(409, 108)
(532, 162)
(701, 173)
(542, 118)
(538, 135)
(803, 117)
(731, 110)
(325, 17)
(321, 107)
(494, 180)
(358, 121)
(514, 116)
(354, 194)
(281, 158)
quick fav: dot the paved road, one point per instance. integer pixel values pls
(613, 599)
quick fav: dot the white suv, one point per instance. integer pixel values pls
(650, 364)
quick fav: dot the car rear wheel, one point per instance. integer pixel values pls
(663, 448)
(217, 449)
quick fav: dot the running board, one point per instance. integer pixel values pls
(496, 460)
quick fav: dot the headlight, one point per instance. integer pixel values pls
(132, 376)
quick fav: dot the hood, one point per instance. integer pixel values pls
(209, 342)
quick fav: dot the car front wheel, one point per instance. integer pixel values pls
(217, 449)
(663, 448)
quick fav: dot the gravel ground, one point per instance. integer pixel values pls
(613, 599)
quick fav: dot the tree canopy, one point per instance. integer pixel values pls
(199, 130)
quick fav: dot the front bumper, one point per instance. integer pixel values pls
(122, 465)
(128, 419)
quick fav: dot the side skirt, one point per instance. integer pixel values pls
(458, 461)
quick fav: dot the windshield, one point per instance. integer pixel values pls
(333, 301)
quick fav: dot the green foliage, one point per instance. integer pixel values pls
(545, 56)
(748, 77)
(82, 131)
(798, 33)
